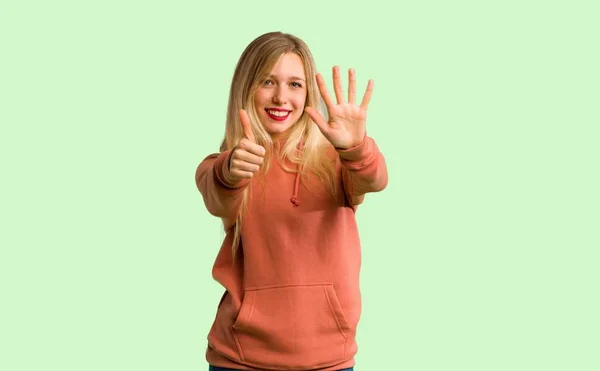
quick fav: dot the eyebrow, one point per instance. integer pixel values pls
(291, 77)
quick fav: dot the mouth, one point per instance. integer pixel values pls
(277, 114)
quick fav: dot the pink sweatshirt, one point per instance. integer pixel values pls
(292, 298)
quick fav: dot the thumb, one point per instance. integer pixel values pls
(246, 126)
(318, 119)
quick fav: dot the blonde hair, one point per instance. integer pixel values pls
(253, 67)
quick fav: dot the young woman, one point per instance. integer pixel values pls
(286, 184)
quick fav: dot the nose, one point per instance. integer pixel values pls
(279, 96)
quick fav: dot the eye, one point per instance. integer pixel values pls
(296, 85)
(268, 82)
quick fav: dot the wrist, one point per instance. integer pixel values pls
(352, 145)
(228, 178)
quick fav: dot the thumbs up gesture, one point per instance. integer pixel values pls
(247, 156)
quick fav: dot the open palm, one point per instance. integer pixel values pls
(347, 120)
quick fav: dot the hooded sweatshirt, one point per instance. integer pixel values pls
(292, 299)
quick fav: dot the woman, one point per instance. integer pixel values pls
(286, 184)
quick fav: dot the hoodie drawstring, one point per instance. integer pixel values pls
(295, 201)
(294, 198)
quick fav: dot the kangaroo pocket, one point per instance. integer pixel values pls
(292, 327)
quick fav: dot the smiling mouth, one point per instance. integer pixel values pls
(278, 115)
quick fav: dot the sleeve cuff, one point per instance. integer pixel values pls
(360, 155)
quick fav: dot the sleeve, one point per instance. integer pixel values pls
(364, 170)
(221, 196)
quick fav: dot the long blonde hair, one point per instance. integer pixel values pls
(253, 67)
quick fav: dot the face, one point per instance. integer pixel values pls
(280, 99)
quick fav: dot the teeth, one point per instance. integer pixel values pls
(278, 113)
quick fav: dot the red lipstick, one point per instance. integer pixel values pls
(278, 118)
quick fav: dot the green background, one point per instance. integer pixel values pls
(482, 253)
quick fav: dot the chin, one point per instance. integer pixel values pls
(277, 128)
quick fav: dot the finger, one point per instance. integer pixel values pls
(252, 147)
(337, 85)
(240, 174)
(324, 92)
(351, 86)
(248, 156)
(244, 166)
(246, 126)
(318, 119)
(367, 97)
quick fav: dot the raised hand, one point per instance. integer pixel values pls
(247, 156)
(347, 121)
